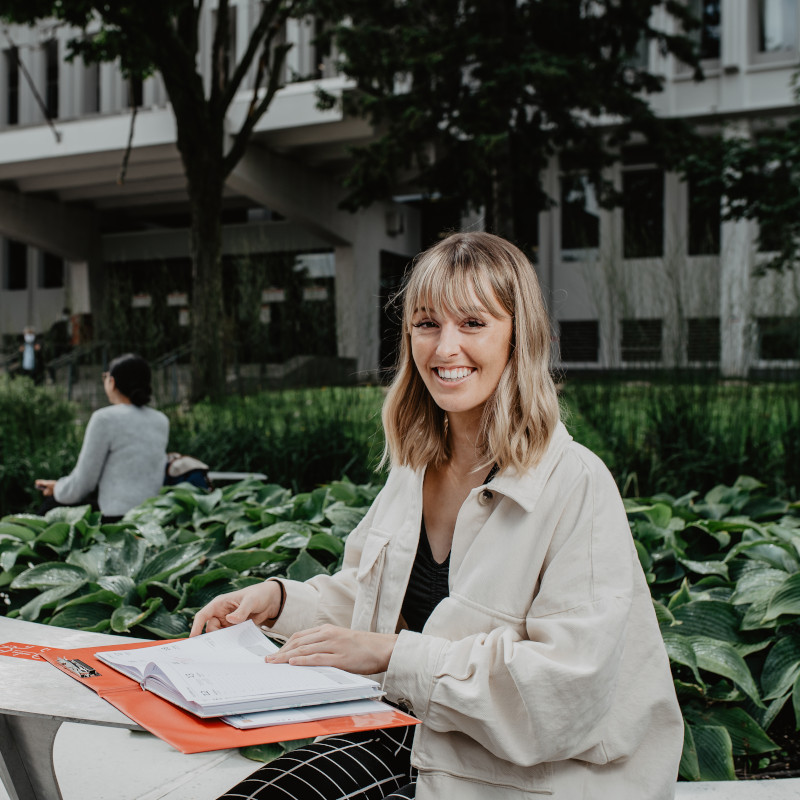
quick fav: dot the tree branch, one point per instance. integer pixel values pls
(219, 55)
(257, 110)
(273, 15)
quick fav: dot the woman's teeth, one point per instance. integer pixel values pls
(453, 374)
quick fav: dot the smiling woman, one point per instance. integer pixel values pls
(493, 583)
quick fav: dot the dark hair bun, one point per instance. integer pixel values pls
(131, 374)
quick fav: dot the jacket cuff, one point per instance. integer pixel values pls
(412, 671)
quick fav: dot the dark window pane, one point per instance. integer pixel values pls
(580, 221)
(772, 237)
(704, 224)
(579, 340)
(51, 89)
(643, 213)
(12, 86)
(52, 274)
(778, 338)
(703, 344)
(16, 265)
(641, 340)
(708, 34)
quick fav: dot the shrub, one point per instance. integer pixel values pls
(39, 438)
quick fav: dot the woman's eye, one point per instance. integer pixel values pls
(475, 323)
(425, 323)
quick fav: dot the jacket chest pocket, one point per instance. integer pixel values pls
(369, 575)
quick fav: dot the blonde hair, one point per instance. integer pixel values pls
(521, 415)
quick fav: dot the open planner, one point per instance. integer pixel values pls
(224, 672)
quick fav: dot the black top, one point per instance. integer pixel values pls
(428, 582)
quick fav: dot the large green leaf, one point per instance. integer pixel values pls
(747, 736)
(69, 514)
(689, 768)
(125, 617)
(781, 667)
(326, 541)
(46, 576)
(680, 650)
(121, 585)
(87, 617)
(785, 600)
(55, 534)
(22, 532)
(305, 566)
(165, 625)
(714, 753)
(240, 560)
(170, 561)
(757, 584)
(722, 659)
(711, 618)
(31, 610)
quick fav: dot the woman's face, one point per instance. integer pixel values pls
(461, 355)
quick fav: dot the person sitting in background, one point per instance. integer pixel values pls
(124, 448)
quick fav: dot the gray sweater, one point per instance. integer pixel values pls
(123, 454)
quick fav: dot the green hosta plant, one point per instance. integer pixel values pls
(724, 571)
(149, 574)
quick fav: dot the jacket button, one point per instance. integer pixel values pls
(485, 497)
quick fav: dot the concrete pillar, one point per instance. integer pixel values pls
(670, 295)
(77, 287)
(737, 330)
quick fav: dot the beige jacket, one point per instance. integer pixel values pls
(543, 672)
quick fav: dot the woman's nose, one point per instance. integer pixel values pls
(448, 344)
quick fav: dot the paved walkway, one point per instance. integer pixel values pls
(98, 763)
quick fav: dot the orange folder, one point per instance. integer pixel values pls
(190, 734)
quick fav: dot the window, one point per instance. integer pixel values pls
(704, 224)
(709, 34)
(51, 272)
(703, 344)
(580, 216)
(12, 86)
(643, 213)
(91, 89)
(641, 340)
(579, 340)
(776, 26)
(51, 87)
(16, 277)
(778, 338)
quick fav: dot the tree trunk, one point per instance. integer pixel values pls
(208, 363)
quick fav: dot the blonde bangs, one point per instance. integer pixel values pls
(450, 287)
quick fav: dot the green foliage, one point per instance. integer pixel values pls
(665, 434)
(38, 439)
(505, 88)
(298, 438)
(149, 574)
(724, 572)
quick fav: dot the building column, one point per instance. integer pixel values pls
(736, 266)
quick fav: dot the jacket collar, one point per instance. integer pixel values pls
(525, 488)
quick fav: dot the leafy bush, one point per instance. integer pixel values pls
(149, 574)
(298, 438)
(724, 572)
(39, 438)
(673, 432)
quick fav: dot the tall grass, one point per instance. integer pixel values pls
(300, 438)
(662, 436)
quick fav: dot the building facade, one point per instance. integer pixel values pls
(659, 281)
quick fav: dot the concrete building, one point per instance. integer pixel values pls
(657, 282)
(68, 223)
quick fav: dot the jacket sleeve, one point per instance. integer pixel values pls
(541, 696)
(84, 477)
(326, 598)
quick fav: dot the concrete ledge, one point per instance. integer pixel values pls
(784, 789)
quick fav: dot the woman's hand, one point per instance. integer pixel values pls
(259, 603)
(46, 487)
(361, 652)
